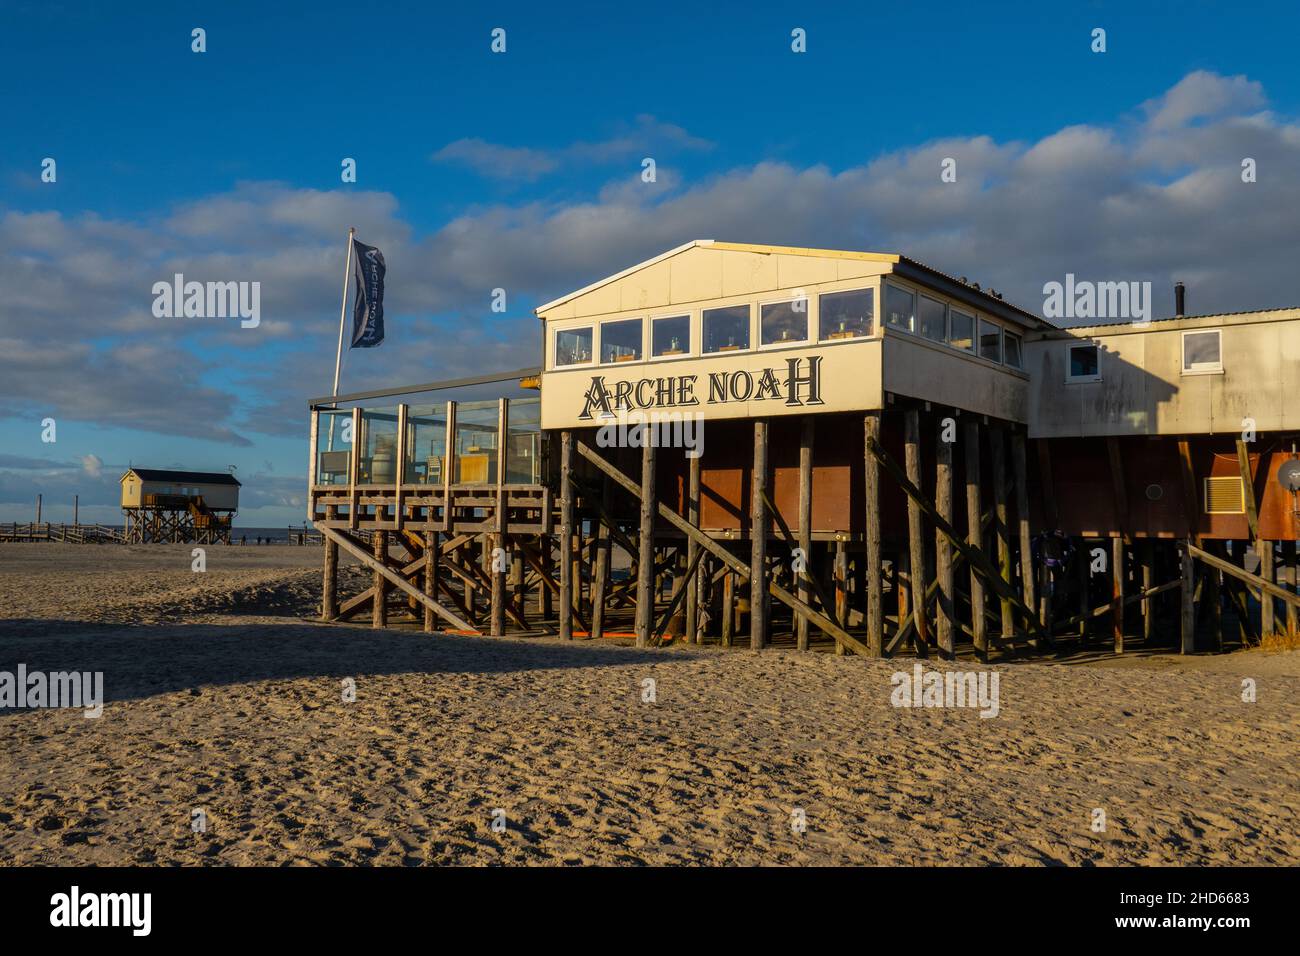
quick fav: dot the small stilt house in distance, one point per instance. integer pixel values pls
(178, 506)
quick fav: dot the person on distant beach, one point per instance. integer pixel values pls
(243, 539)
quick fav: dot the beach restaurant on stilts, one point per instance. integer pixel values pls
(750, 445)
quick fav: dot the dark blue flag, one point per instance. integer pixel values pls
(368, 312)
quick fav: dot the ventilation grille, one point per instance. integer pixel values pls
(1224, 496)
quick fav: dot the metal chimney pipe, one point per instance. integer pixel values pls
(1180, 300)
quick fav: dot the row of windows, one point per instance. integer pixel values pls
(1202, 354)
(840, 316)
(932, 319)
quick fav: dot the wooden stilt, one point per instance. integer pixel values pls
(379, 608)
(978, 633)
(1001, 526)
(330, 585)
(1267, 604)
(1187, 617)
(430, 576)
(871, 515)
(946, 617)
(915, 528)
(1117, 592)
(600, 584)
(1084, 557)
(1214, 601)
(1020, 476)
(1292, 582)
(499, 559)
(1146, 554)
(692, 628)
(645, 590)
(802, 575)
(566, 535)
(903, 590)
(841, 573)
(728, 623)
(758, 541)
(519, 579)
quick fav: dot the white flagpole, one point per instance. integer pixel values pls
(343, 313)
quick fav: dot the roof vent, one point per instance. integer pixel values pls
(1180, 300)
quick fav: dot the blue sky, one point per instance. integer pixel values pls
(521, 170)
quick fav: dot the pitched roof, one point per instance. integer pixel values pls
(909, 268)
(184, 477)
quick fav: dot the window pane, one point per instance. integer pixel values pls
(784, 322)
(963, 331)
(573, 346)
(1083, 361)
(726, 330)
(671, 336)
(1013, 350)
(620, 341)
(846, 315)
(900, 306)
(990, 341)
(1201, 350)
(932, 319)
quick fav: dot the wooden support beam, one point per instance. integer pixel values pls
(353, 547)
(974, 535)
(449, 470)
(645, 589)
(601, 569)
(946, 624)
(1254, 580)
(567, 493)
(871, 515)
(1191, 498)
(1146, 555)
(1002, 526)
(354, 467)
(722, 554)
(430, 576)
(728, 623)
(497, 552)
(519, 579)
(1267, 571)
(841, 576)
(678, 595)
(1109, 607)
(788, 538)
(1020, 478)
(1118, 488)
(758, 541)
(1117, 592)
(1293, 578)
(803, 573)
(330, 585)
(1248, 490)
(915, 528)
(693, 551)
(974, 556)
(379, 609)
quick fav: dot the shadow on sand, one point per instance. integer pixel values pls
(145, 660)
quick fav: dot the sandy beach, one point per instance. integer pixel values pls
(224, 696)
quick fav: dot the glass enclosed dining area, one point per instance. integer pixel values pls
(438, 444)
